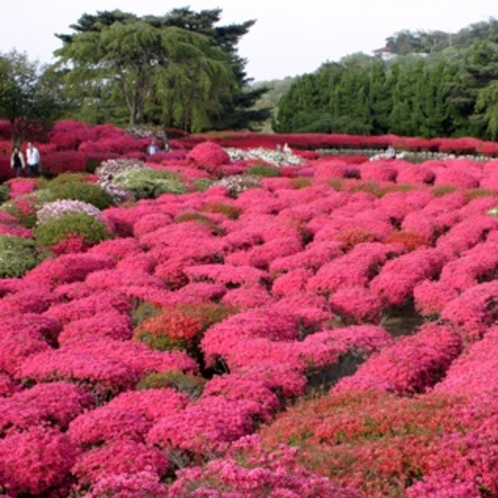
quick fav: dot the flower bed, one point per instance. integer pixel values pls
(232, 337)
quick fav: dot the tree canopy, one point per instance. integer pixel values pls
(175, 70)
(27, 97)
(419, 92)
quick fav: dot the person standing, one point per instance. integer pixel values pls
(390, 153)
(17, 162)
(153, 148)
(32, 159)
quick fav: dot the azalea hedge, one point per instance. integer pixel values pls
(314, 141)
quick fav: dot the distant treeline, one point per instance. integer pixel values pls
(429, 85)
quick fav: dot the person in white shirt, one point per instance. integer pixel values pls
(32, 159)
(390, 152)
(152, 148)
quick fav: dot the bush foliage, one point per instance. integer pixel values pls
(147, 183)
(90, 193)
(17, 255)
(69, 224)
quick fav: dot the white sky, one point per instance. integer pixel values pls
(290, 37)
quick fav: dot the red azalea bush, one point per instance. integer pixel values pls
(97, 374)
(18, 345)
(205, 426)
(107, 424)
(208, 156)
(250, 470)
(153, 404)
(110, 324)
(411, 365)
(129, 485)
(55, 163)
(356, 305)
(36, 461)
(118, 458)
(55, 404)
(67, 269)
(87, 306)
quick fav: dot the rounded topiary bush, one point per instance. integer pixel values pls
(90, 229)
(147, 183)
(208, 156)
(91, 193)
(51, 210)
(17, 256)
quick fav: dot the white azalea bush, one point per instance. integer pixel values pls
(275, 157)
(110, 168)
(148, 183)
(53, 210)
(236, 184)
(107, 173)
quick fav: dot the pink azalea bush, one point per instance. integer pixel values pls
(208, 156)
(258, 293)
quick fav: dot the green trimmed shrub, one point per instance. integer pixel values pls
(190, 385)
(144, 311)
(88, 227)
(147, 183)
(442, 190)
(90, 193)
(17, 256)
(336, 184)
(300, 182)
(92, 164)
(264, 170)
(67, 177)
(202, 184)
(229, 210)
(200, 218)
(477, 193)
(4, 194)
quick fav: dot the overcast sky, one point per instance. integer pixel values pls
(290, 37)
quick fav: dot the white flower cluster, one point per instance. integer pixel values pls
(136, 132)
(236, 184)
(107, 172)
(108, 169)
(118, 193)
(53, 210)
(139, 132)
(275, 157)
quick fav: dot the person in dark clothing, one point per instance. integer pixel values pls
(17, 162)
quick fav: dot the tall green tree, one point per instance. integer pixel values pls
(131, 59)
(483, 73)
(27, 97)
(238, 110)
(380, 98)
(179, 69)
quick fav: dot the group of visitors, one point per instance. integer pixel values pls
(154, 147)
(32, 161)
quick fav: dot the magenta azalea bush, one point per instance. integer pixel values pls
(328, 332)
